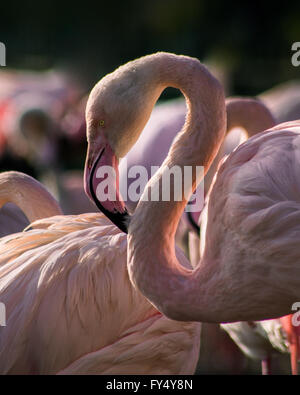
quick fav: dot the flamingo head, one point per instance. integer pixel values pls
(117, 110)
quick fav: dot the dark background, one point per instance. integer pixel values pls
(250, 41)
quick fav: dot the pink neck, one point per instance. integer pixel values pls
(152, 263)
(250, 114)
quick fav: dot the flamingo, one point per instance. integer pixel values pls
(262, 339)
(283, 100)
(243, 114)
(252, 209)
(71, 308)
(257, 339)
(16, 189)
(35, 120)
(225, 286)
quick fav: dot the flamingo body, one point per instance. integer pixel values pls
(253, 214)
(76, 312)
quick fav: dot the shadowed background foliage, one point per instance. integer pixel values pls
(250, 41)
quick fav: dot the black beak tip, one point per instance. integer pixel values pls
(121, 220)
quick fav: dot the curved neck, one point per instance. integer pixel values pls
(152, 263)
(28, 194)
(195, 145)
(249, 114)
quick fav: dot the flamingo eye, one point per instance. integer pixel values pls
(101, 123)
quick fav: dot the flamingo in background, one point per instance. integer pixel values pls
(34, 101)
(28, 199)
(283, 100)
(263, 339)
(41, 114)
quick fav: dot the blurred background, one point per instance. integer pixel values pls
(57, 51)
(251, 41)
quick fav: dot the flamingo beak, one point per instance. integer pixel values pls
(101, 184)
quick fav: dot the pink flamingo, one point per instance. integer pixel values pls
(247, 212)
(263, 339)
(260, 339)
(71, 308)
(17, 189)
(257, 339)
(221, 285)
(283, 100)
(248, 115)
